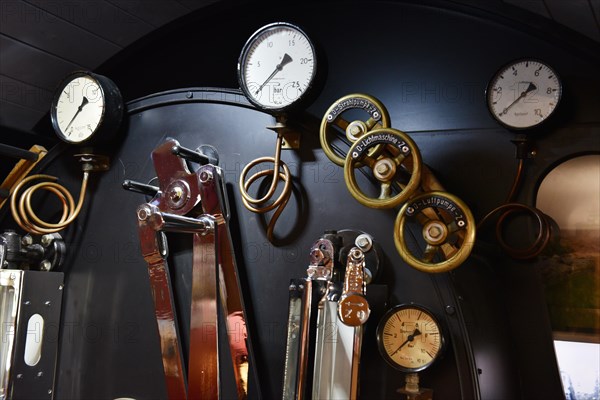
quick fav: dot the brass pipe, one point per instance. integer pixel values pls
(279, 172)
(26, 218)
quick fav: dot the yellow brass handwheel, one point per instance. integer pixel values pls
(375, 112)
(448, 230)
(398, 151)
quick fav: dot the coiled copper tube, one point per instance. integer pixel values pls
(26, 218)
(279, 172)
(508, 208)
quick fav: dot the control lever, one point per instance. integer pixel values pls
(141, 188)
(320, 269)
(353, 308)
(342, 309)
(195, 203)
(202, 155)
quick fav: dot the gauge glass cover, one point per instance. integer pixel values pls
(409, 338)
(79, 109)
(277, 66)
(523, 94)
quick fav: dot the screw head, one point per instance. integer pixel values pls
(175, 193)
(383, 168)
(26, 240)
(206, 176)
(46, 240)
(434, 232)
(45, 265)
(144, 213)
(363, 242)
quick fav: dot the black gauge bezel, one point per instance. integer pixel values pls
(112, 113)
(387, 316)
(504, 67)
(243, 57)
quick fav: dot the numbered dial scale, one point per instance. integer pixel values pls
(523, 94)
(277, 66)
(409, 338)
(87, 108)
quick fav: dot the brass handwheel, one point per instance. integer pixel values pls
(397, 151)
(448, 231)
(341, 119)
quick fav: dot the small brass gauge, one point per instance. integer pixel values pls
(277, 66)
(523, 94)
(87, 108)
(410, 338)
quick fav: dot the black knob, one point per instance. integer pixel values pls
(140, 188)
(203, 155)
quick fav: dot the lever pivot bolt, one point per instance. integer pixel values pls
(205, 177)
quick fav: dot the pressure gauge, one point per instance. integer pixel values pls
(410, 338)
(277, 66)
(523, 94)
(87, 108)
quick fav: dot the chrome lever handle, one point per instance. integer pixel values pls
(353, 308)
(161, 221)
(321, 260)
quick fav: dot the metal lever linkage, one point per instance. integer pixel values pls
(342, 309)
(193, 203)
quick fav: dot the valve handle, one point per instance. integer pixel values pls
(448, 231)
(398, 151)
(336, 121)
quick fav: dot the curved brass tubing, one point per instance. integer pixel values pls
(279, 172)
(26, 218)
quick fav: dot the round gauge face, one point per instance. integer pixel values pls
(78, 108)
(523, 94)
(409, 338)
(277, 66)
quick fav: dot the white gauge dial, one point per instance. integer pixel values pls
(79, 109)
(277, 66)
(87, 109)
(523, 94)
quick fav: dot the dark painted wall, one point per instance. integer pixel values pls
(429, 64)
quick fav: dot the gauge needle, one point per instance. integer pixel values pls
(83, 103)
(410, 338)
(530, 88)
(286, 60)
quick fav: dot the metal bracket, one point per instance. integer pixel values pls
(291, 138)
